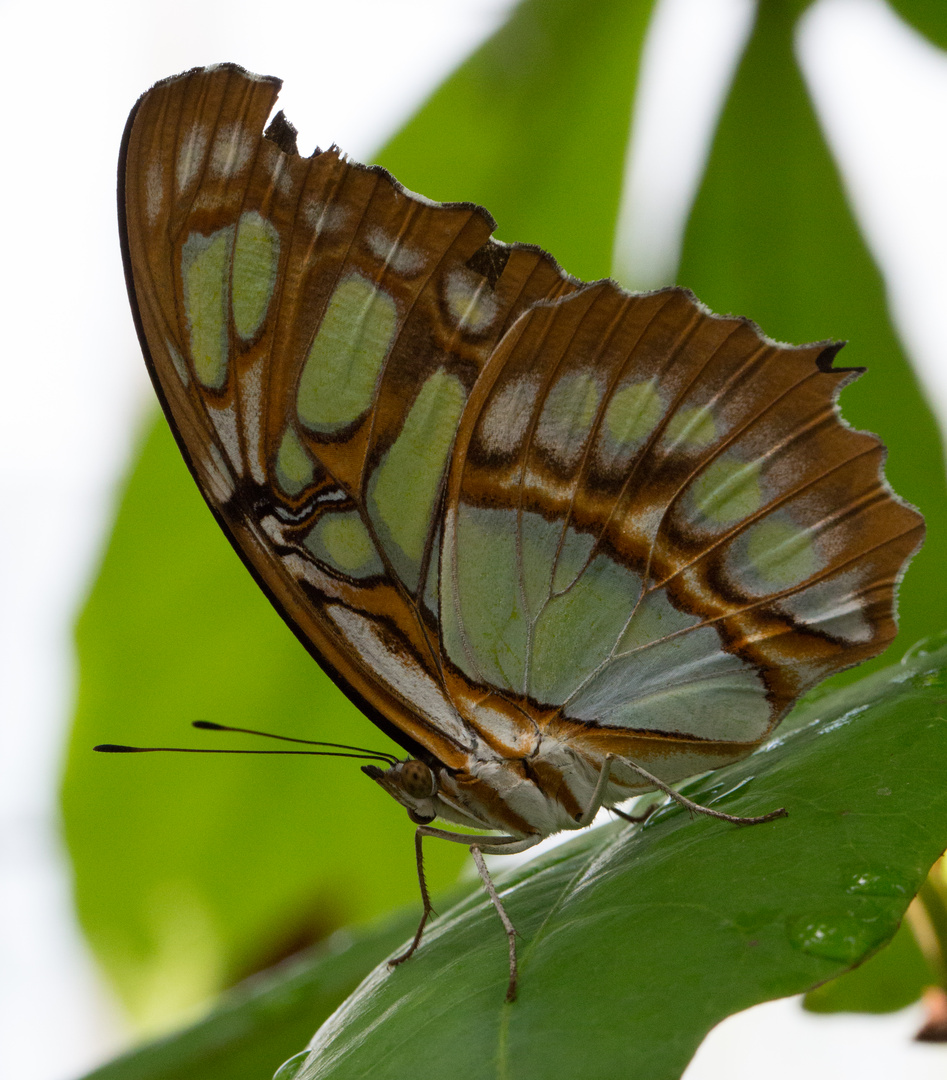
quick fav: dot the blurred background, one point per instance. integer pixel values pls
(180, 879)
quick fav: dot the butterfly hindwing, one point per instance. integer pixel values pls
(658, 524)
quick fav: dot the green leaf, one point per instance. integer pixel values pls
(193, 871)
(903, 970)
(634, 943)
(772, 236)
(255, 1027)
(535, 127)
(929, 17)
(892, 979)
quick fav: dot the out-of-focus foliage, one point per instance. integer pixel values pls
(256, 1026)
(927, 16)
(534, 126)
(195, 870)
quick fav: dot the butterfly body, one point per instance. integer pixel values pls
(561, 542)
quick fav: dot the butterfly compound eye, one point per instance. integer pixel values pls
(417, 779)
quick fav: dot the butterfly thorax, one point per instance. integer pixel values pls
(536, 795)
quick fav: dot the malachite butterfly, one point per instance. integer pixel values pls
(563, 543)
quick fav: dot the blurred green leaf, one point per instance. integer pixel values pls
(890, 980)
(772, 236)
(255, 1027)
(192, 871)
(929, 17)
(635, 942)
(535, 127)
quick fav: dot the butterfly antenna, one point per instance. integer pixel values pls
(341, 750)
(209, 725)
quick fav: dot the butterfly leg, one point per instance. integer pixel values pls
(427, 911)
(635, 819)
(695, 808)
(504, 918)
(598, 795)
(493, 845)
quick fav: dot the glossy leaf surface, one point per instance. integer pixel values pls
(635, 943)
(892, 979)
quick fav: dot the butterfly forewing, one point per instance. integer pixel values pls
(315, 332)
(515, 516)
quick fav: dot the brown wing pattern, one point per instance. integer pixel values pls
(493, 502)
(686, 533)
(314, 331)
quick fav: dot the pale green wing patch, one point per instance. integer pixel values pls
(668, 673)
(337, 385)
(632, 414)
(577, 629)
(678, 683)
(255, 263)
(727, 491)
(205, 271)
(567, 416)
(504, 620)
(340, 540)
(692, 428)
(483, 622)
(294, 467)
(403, 489)
(775, 554)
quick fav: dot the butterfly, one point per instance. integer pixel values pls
(562, 543)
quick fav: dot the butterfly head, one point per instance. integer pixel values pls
(413, 784)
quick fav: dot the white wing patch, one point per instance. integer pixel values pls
(401, 673)
(507, 415)
(233, 147)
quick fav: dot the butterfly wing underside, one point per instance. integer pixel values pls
(492, 501)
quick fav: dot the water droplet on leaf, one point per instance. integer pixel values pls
(845, 936)
(880, 880)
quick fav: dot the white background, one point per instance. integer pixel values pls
(74, 388)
